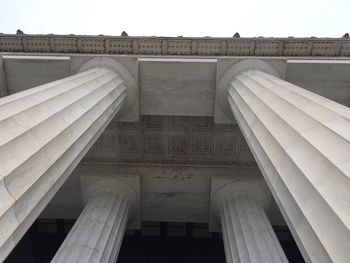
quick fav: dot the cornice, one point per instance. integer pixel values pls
(206, 46)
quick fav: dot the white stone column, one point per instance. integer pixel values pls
(97, 235)
(301, 142)
(248, 234)
(112, 203)
(44, 133)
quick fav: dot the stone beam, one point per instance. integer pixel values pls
(301, 143)
(45, 132)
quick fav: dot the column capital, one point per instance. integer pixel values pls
(129, 81)
(225, 189)
(222, 107)
(128, 186)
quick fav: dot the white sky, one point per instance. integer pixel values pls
(219, 18)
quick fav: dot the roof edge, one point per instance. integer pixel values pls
(202, 46)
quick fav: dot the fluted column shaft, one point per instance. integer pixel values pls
(44, 133)
(301, 142)
(248, 234)
(97, 235)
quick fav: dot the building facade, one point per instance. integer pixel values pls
(240, 136)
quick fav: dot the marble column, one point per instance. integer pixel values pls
(45, 132)
(238, 206)
(301, 142)
(112, 203)
(97, 235)
(248, 234)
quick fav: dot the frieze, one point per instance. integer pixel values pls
(345, 49)
(297, 48)
(65, 45)
(11, 44)
(120, 46)
(93, 45)
(324, 48)
(267, 48)
(179, 47)
(176, 45)
(208, 47)
(238, 47)
(34, 44)
(150, 46)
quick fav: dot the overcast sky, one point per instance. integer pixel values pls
(219, 18)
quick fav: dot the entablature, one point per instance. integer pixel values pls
(188, 46)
